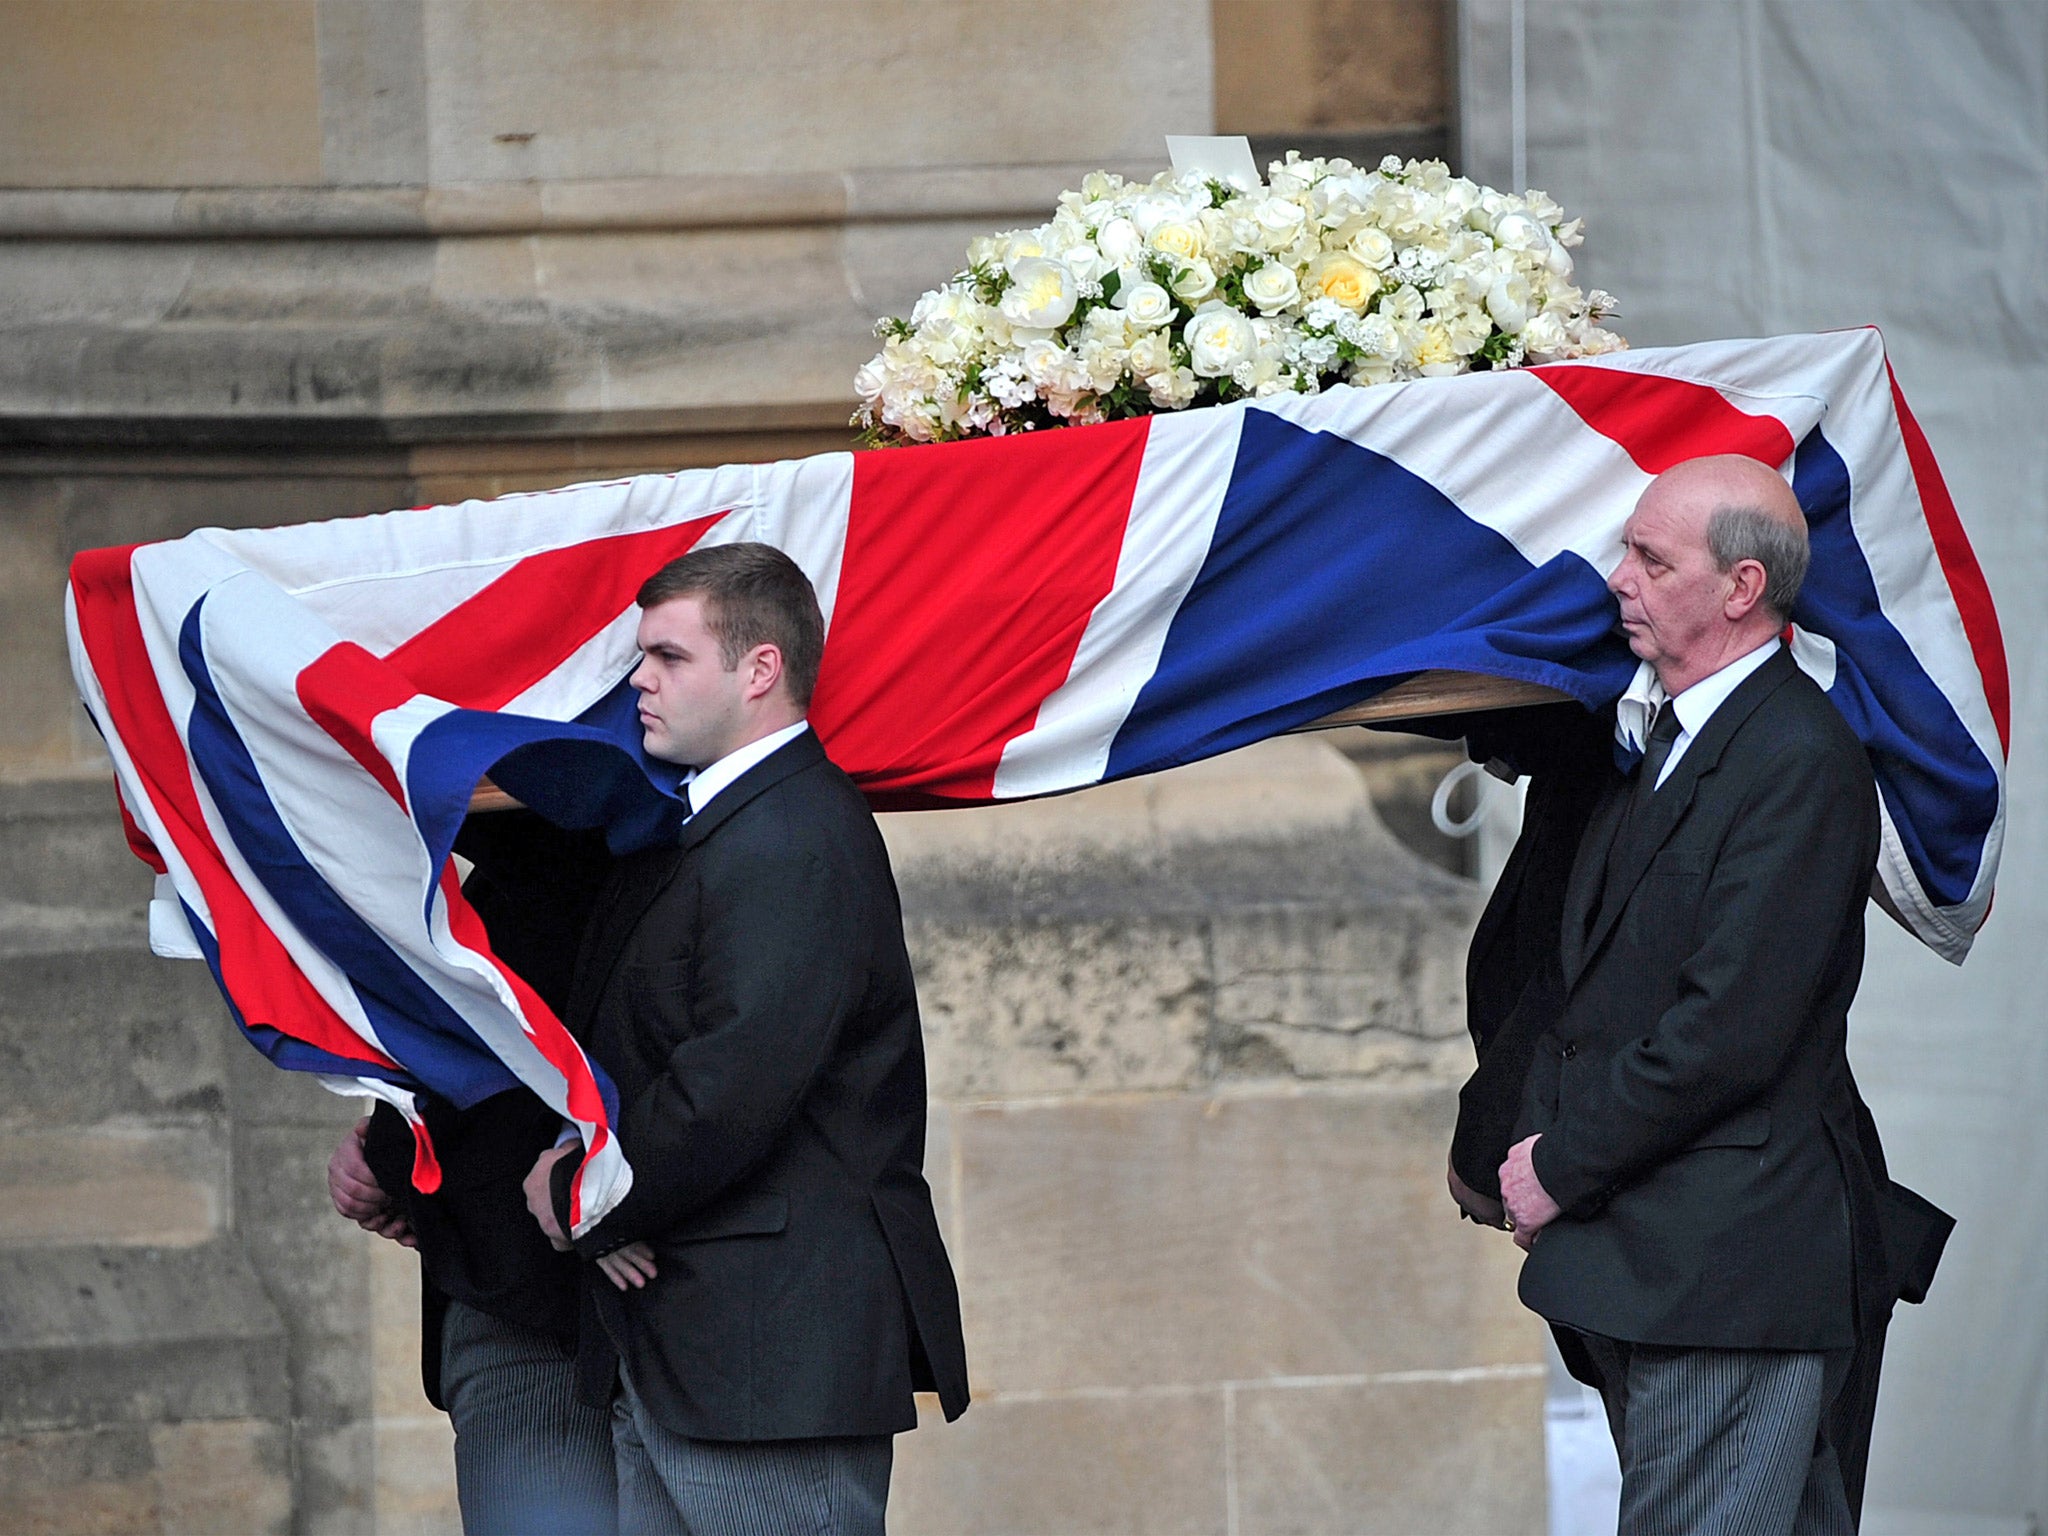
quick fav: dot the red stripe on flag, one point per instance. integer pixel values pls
(345, 689)
(546, 1031)
(266, 984)
(1660, 422)
(971, 570)
(1966, 584)
(484, 652)
(138, 840)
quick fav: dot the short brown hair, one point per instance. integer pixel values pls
(753, 594)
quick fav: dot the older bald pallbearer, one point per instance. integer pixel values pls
(1699, 1211)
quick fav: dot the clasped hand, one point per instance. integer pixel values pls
(1529, 1206)
(628, 1268)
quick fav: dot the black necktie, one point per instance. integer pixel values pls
(1658, 752)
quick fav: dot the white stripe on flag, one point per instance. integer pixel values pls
(1182, 480)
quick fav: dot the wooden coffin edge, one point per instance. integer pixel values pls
(1423, 695)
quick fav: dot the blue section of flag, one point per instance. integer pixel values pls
(1333, 573)
(414, 1023)
(1941, 790)
(281, 1049)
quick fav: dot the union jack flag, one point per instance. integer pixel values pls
(297, 716)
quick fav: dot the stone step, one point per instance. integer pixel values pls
(93, 1027)
(124, 1183)
(61, 845)
(94, 1336)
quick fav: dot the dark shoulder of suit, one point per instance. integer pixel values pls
(810, 1295)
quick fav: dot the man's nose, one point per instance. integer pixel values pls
(642, 677)
(1622, 578)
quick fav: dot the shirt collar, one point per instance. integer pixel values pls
(707, 782)
(1644, 696)
(1696, 706)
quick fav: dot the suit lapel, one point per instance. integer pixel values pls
(646, 875)
(1656, 820)
(791, 758)
(1582, 891)
(637, 881)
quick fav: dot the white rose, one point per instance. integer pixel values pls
(1024, 245)
(1519, 232)
(1179, 239)
(869, 382)
(1120, 241)
(1047, 363)
(1194, 282)
(1372, 247)
(1151, 353)
(1146, 304)
(1218, 340)
(1544, 336)
(1041, 294)
(1085, 262)
(1272, 287)
(1279, 222)
(1173, 388)
(1508, 302)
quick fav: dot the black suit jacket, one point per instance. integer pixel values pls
(751, 996)
(1698, 1117)
(533, 885)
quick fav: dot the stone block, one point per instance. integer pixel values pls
(191, 1479)
(130, 93)
(416, 1477)
(61, 843)
(1319, 991)
(334, 1478)
(1062, 1007)
(1161, 1240)
(125, 1184)
(109, 1335)
(88, 1033)
(1130, 1464)
(1381, 1458)
(315, 1265)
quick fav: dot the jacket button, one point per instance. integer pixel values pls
(1571, 1049)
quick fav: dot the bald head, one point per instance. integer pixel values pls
(1713, 558)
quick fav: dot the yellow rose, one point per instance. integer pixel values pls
(1344, 280)
(1182, 241)
(1434, 354)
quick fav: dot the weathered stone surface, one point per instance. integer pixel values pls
(153, 1031)
(1063, 1007)
(61, 843)
(192, 1479)
(1391, 1458)
(1080, 1466)
(107, 1335)
(1173, 1239)
(128, 1183)
(315, 1265)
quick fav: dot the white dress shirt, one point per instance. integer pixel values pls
(1696, 706)
(706, 782)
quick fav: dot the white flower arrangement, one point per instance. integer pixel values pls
(1183, 291)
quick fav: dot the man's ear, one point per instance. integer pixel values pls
(1747, 580)
(760, 671)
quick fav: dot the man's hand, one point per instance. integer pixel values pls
(540, 1195)
(629, 1267)
(357, 1194)
(1483, 1209)
(1530, 1208)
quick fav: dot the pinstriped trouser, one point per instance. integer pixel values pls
(529, 1457)
(670, 1485)
(1722, 1442)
